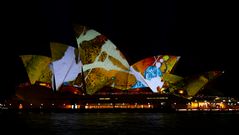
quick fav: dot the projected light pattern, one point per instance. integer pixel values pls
(195, 83)
(103, 63)
(171, 80)
(37, 68)
(66, 65)
(97, 63)
(149, 72)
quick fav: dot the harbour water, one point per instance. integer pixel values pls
(47, 123)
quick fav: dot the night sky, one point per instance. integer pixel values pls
(202, 33)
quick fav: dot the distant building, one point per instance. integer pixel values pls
(98, 64)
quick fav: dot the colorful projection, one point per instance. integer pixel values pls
(37, 67)
(97, 63)
(149, 72)
(66, 63)
(103, 63)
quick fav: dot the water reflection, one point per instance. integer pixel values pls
(119, 123)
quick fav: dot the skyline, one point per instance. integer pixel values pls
(188, 30)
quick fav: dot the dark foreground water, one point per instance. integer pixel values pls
(119, 123)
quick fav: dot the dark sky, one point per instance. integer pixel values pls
(201, 32)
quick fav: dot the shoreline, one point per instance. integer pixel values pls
(122, 110)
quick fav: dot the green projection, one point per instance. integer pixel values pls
(37, 67)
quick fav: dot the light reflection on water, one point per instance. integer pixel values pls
(119, 123)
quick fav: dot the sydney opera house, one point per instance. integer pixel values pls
(96, 75)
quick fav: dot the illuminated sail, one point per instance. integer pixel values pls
(65, 62)
(103, 63)
(171, 80)
(195, 83)
(37, 68)
(149, 71)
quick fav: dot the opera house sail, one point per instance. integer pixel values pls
(66, 64)
(37, 68)
(150, 71)
(103, 63)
